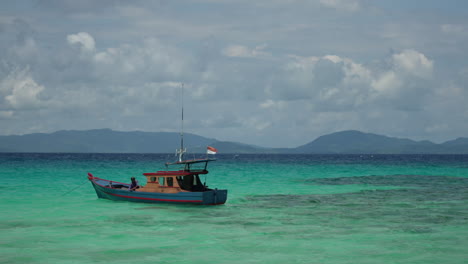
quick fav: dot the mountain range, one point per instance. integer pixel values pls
(110, 141)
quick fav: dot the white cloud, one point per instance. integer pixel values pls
(328, 80)
(107, 57)
(413, 63)
(300, 63)
(270, 104)
(84, 40)
(334, 83)
(20, 91)
(244, 52)
(151, 57)
(387, 83)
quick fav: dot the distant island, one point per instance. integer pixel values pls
(110, 141)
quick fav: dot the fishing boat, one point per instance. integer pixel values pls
(179, 186)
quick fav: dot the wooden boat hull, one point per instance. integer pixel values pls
(103, 190)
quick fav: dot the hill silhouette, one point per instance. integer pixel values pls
(110, 141)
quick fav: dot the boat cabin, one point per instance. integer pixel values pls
(186, 179)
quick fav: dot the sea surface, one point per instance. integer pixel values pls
(280, 209)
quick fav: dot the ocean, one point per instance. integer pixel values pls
(280, 209)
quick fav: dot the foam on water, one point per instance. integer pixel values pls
(280, 209)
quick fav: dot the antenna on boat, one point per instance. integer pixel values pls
(182, 150)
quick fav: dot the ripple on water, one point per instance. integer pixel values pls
(420, 204)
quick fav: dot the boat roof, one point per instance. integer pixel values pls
(175, 173)
(187, 170)
(190, 161)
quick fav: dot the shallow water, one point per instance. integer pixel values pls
(280, 209)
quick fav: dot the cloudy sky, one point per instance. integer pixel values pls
(274, 73)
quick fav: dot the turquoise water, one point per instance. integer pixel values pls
(280, 209)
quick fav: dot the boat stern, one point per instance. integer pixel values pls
(214, 197)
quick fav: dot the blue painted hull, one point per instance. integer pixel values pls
(209, 197)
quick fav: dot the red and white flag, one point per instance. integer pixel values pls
(211, 150)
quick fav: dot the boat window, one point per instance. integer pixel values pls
(161, 181)
(170, 181)
(153, 179)
(191, 183)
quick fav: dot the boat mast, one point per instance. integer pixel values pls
(182, 150)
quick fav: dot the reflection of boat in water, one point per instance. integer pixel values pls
(169, 186)
(182, 186)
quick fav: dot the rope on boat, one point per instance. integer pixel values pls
(74, 189)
